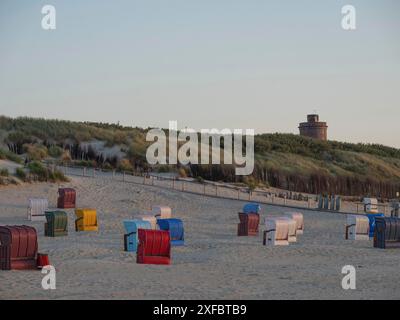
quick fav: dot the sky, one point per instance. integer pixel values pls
(255, 64)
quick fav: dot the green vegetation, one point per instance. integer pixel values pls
(38, 172)
(55, 151)
(285, 161)
(9, 156)
(20, 173)
(4, 172)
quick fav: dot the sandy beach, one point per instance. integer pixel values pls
(214, 263)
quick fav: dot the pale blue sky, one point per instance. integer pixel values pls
(224, 64)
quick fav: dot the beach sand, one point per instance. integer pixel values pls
(214, 263)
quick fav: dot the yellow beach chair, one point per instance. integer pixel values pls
(86, 220)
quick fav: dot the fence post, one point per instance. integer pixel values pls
(204, 189)
(123, 176)
(284, 200)
(238, 194)
(84, 171)
(94, 172)
(113, 174)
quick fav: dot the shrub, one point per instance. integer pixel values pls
(4, 154)
(125, 165)
(55, 151)
(20, 173)
(39, 172)
(251, 183)
(182, 173)
(200, 179)
(4, 172)
(36, 152)
(66, 156)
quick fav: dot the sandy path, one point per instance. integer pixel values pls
(214, 264)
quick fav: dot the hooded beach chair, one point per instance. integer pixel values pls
(161, 212)
(387, 232)
(370, 205)
(150, 218)
(357, 227)
(292, 232)
(154, 247)
(248, 225)
(66, 198)
(86, 220)
(298, 217)
(252, 208)
(18, 247)
(276, 232)
(371, 217)
(131, 236)
(37, 208)
(175, 228)
(56, 225)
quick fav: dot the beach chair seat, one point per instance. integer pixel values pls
(18, 248)
(154, 247)
(357, 227)
(276, 232)
(57, 224)
(298, 217)
(66, 198)
(175, 228)
(387, 232)
(249, 223)
(161, 212)
(86, 220)
(150, 218)
(251, 207)
(37, 208)
(371, 217)
(131, 236)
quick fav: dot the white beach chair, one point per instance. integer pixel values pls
(370, 205)
(276, 232)
(150, 218)
(292, 228)
(298, 217)
(37, 208)
(161, 212)
(357, 228)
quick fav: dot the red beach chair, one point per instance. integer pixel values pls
(248, 225)
(66, 198)
(154, 247)
(18, 248)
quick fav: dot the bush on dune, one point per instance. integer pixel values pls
(41, 173)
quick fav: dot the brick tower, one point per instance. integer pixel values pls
(313, 128)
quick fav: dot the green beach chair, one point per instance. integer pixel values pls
(56, 225)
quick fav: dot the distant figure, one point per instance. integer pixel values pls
(313, 128)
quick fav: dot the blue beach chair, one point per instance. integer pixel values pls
(251, 208)
(371, 217)
(131, 236)
(175, 228)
